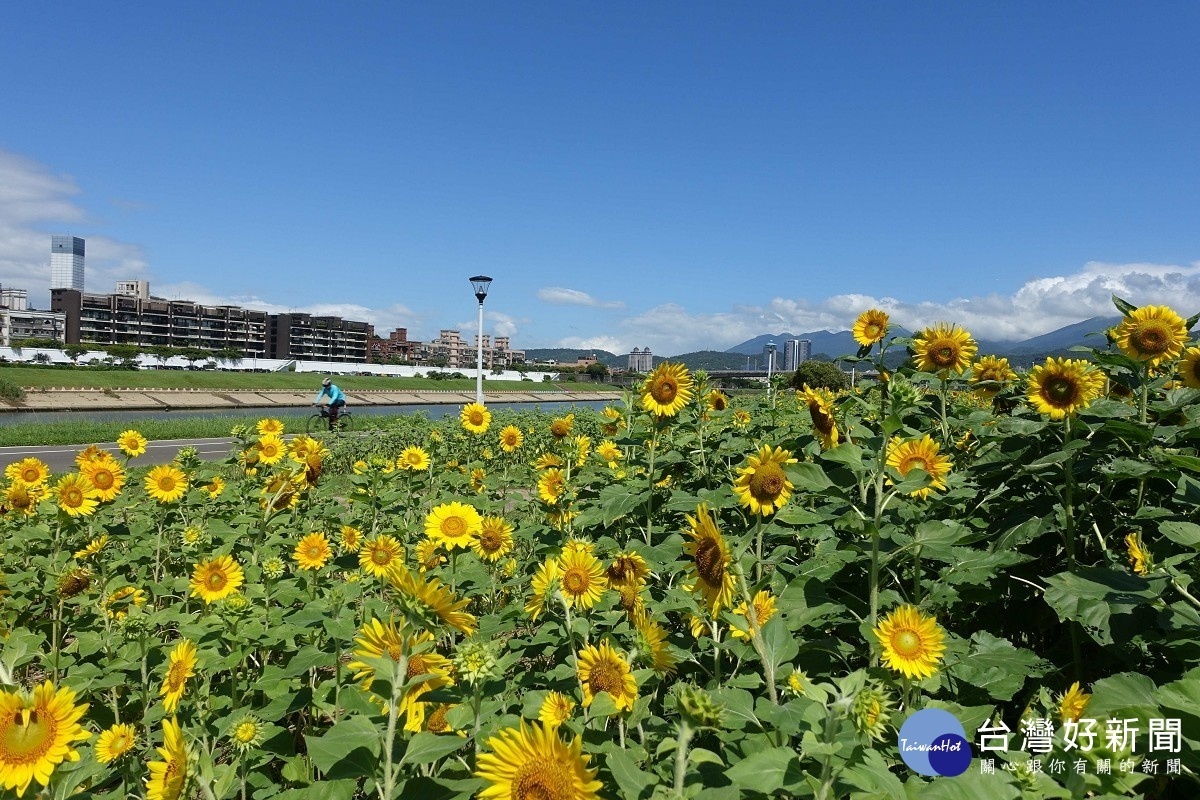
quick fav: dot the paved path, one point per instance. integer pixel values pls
(61, 457)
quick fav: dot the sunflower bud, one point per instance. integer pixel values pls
(273, 568)
(872, 711)
(247, 733)
(698, 708)
(476, 661)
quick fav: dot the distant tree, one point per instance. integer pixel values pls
(819, 375)
(162, 353)
(35, 341)
(41, 358)
(597, 370)
(230, 356)
(74, 352)
(125, 353)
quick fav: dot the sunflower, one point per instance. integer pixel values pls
(603, 669)
(1152, 334)
(413, 458)
(990, 369)
(631, 601)
(608, 452)
(495, 539)
(1072, 704)
(710, 561)
(454, 525)
(166, 483)
(428, 555)
(132, 443)
(180, 666)
(76, 495)
(920, 454)
(31, 471)
(560, 518)
(38, 731)
(381, 556)
(820, 409)
(436, 601)
(92, 548)
(944, 348)
(529, 763)
(247, 732)
(115, 742)
(270, 449)
(377, 640)
(312, 552)
(870, 327)
(652, 643)
(583, 446)
(871, 711)
(216, 579)
(1139, 557)
(762, 485)
(741, 418)
(281, 491)
(215, 487)
(556, 709)
(119, 602)
(582, 578)
(351, 539)
(435, 720)
(511, 438)
(90, 453)
(544, 581)
(1189, 368)
(475, 418)
(167, 776)
(717, 400)
(22, 498)
(613, 421)
(269, 427)
(764, 609)
(551, 485)
(106, 477)
(1063, 386)
(627, 569)
(667, 390)
(912, 643)
(478, 478)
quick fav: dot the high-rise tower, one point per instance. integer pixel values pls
(66, 262)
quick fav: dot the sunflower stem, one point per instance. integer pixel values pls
(650, 480)
(758, 549)
(399, 673)
(1069, 537)
(917, 575)
(574, 653)
(681, 755)
(716, 637)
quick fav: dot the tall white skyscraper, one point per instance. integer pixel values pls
(66, 262)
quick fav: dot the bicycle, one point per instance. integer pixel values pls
(320, 421)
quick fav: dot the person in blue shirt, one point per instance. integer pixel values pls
(336, 400)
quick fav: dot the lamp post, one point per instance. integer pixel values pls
(770, 367)
(480, 283)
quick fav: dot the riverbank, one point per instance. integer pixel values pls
(139, 399)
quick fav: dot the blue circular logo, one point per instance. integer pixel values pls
(933, 742)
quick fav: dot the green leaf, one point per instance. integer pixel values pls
(1184, 533)
(1184, 462)
(616, 501)
(972, 784)
(631, 780)
(426, 747)
(1090, 595)
(766, 771)
(808, 477)
(602, 705)
(326, 790)
(1122, 306)
(350, 749)
(997, 667)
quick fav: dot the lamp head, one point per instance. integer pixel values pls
(480, 284)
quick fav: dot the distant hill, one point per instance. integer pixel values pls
(568, 355)
(709, 360)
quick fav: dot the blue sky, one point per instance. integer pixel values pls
(672, 175)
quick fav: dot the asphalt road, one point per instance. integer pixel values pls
(61, 457)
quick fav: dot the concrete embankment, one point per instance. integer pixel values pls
(197, 399)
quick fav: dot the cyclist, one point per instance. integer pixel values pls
(336, 400)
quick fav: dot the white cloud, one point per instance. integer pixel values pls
(559, 296)
(609, 343)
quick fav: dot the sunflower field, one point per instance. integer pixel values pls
(686, 595)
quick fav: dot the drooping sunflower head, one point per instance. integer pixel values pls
(627, 569)
(717, 400)
(544, 582)
(1152, 334)
(216, 579)
(762, 486)
(92, 548)
(433, 602)
(30, 471)
(215, 487)
(181, 665)
(820, 410)
(923, 453)
(429, 555)
(604, 669)
(89, 453)
(119, 603)
(741, 418)
(74, 582)
(711, 561)
(944, 348)
(454, 525)
(167, 776)
(667, 390)
(870, 327)
(988, 371)
(581, 578)
(413, 458)
(1073, 703)
(764, 609)
(1062, 386)
(495, 539)
(475, 418)
(132, 443)
(21, 498)
(913, 644)
(652, 647)
(166, 483)
(532, 763)
(312, 552)
(1140, 559)
(561, 427)
(38, 731)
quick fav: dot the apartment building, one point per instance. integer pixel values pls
(317, 338)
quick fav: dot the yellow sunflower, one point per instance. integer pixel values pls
(944, 348)
(269, 427)
(1072, 704)
(511, 438)
(495, 539)
(764, 609)
(475, 418)
(478, 478)
(31, 471)
(455, 525)
(90, 453)
(1152, 334)
(380, 640)
(381, 556)
(717, 400)
(583, 446)
(912, 642)
(820, 409)
(603, 669)
(543, 583)
(710, 561)
(132, 443)
(22, 498)
(741, 418)
(167, 776)
(1063, 386)
(429, 555)
(551, 485)
(547, 461)
(920, 454)
(166, 483)
(38, 731)
(76, 495)
(762, 485)
(413, 458)
(561, 427)
(555, 709)
(115, 742)
(351, 539)
(436, 601)
(106, 477)
(870, 327)
(1139, 557)
(180, 666)
(119, 602)
(667, 390)
(215, 487)
(990, 369)
(608, 452)
(1189, 368)
(93, 547)
(528, 763)
(312, 552)
(271, 449)
(631, 601)
(652, 642)
(216, 579)
(627, 569)
(581, 577)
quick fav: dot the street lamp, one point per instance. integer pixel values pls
(480, 284)
(770, 366)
